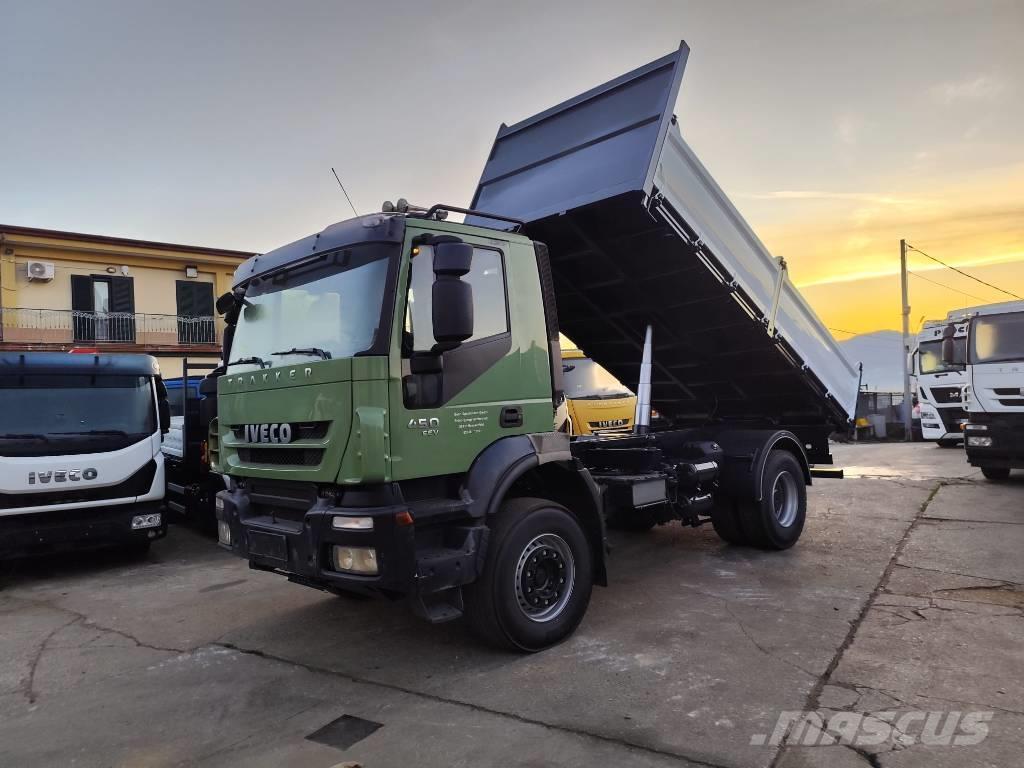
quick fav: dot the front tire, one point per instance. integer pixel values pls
(996, 473)
(536, 582)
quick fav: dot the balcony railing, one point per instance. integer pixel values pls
(65, 326)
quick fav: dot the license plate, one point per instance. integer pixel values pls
(270, 545)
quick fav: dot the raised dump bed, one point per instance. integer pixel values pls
(639, 233)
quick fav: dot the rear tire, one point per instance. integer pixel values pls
(996, 473)
(777, 520)
(536, 581)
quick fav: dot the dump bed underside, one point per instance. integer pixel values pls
(618, 267)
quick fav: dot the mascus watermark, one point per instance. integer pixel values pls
(859, 729)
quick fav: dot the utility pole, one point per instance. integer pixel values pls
(907, 407)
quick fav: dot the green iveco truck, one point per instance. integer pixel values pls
(386, 418)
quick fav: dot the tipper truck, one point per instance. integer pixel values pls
(80, 460)
(994, 391)
(386, 415)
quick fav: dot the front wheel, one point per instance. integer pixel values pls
(535, 586)
(996, 473)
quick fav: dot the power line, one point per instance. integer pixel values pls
(943, 285)
(960, 271)
(345, 191)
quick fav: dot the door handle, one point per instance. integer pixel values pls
(511, 416)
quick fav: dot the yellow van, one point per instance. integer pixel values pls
(595, 400)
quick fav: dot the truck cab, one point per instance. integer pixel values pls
(80, 442)
(994, 392)
(940, 383)
(596, 401)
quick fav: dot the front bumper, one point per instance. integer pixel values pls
(25, 535)
(414, 559)
(1007, 443)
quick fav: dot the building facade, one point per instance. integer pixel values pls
(65, 290)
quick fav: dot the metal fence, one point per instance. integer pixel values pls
(67, 326)
(888, 404)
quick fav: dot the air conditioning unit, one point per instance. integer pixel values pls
(40, 270)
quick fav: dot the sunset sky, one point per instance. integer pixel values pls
(836, 127)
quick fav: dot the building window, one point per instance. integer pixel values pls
(195, 312)
(103, 308)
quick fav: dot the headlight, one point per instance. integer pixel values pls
(977, 427)
(218, 503)
(978, 441)
(146, 521)
(352, 523)
(223, 533)
(355, 560)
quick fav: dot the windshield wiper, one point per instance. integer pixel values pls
(323, 353)
(24, 436)
(250, 361)
(118, 432)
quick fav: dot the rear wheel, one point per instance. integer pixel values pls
(535, 586)
(995, 473)
(777, 520)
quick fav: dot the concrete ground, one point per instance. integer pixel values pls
(905, 594)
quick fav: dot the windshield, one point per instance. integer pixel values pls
(931, 356)
(997, 338)
(583, 379)
(55, 408)
(330, 309)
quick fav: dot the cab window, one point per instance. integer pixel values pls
(490, 304)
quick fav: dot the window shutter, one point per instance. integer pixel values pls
(122, 294)
(81, 293)
(122, 299)
(84, 326)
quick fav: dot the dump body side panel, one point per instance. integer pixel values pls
(639, 233)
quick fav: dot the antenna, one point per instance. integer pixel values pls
(344, 190)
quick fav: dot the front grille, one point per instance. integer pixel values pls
(301, 430)
(282, 457)
(136, 485)
(945, 394)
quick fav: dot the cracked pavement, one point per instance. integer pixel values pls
(905, 593)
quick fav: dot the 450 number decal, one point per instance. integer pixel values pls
(430, 427)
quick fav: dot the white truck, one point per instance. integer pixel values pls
(994, 391)
(80, 460)
(940, 383)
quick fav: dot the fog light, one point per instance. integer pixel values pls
(352, 523)
(146, 521)
(356, 560)
(977, 441)
(223, 533)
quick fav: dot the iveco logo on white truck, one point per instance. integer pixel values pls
(62, 475)
(268, 433)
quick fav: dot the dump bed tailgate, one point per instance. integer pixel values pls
(639, 233)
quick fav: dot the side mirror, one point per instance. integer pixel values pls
(948, 349)
(452, 299)
(225, 302)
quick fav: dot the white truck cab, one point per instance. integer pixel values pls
(80, 460)
(994, 391)
(939, 383)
